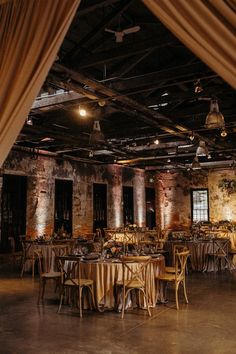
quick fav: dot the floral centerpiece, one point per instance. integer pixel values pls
(113, 248)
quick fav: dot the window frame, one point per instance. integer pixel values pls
(192, 206)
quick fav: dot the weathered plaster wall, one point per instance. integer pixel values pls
(173, 197)
(222, 202)
(41, 174)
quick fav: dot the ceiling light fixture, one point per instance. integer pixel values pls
(191, 136)
(97, 137)
(198, 87)
(82, 112)
(223, 133)
(29, 120)
(195, 164)
(215, 118)
(202, 149)
(156, 141)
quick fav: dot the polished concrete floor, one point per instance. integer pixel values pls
(206, 326)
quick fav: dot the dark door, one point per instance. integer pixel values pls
(150, 208)
(63, 207)
(99, 206)
(13, 218)
(128, 205)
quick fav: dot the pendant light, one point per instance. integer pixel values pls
(214, 119)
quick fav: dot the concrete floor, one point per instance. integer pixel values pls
(206, 325)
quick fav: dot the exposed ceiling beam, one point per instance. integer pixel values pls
(175, 73)
(92, 7)
(92, 35)
(149, 116)
(124, 51)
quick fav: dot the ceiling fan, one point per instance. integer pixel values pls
(120, 34)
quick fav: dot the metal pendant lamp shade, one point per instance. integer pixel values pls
(202, 149)
(215, 118)
(97, 137)
(195, 164)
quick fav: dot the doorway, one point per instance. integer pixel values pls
(128, 205)
(99, 206)
(63, 207)
(13, 208)
(150, 208)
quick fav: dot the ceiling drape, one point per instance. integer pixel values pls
(206, 27)
(31, 33)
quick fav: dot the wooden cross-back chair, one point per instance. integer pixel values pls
(178, 277)
(28, 255)
(134, 278)
(176, 249)
(15, 256)
(46, 273)
(220, 253)
(71, 279)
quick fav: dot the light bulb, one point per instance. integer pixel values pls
(82, 112)
(156, 141)
(223, 133)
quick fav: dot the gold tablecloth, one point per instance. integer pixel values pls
(199, 251)
(106, 273)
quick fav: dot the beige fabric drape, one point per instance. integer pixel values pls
(207, 28)
(31, 32)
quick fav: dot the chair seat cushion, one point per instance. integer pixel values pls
(168, 277)
(51, 275)
(170, 269)
(78, 282)
(136, 284)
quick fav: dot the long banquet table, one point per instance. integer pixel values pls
(106, 273)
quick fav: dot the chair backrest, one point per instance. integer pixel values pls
(180, 264)
(28, 248)
(70, 269)
(178, 248)
(39, 256)
(12, 244)
(221, 246)
(134, 268)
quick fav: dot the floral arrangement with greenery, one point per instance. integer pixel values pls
(228, 185)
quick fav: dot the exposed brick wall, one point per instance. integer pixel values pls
(41, 174)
